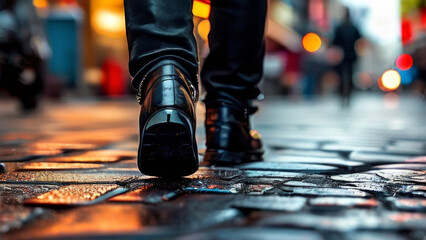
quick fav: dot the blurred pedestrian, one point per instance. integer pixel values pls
(345, 37)
(164, 66)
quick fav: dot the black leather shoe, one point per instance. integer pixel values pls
(167, 146)
(229, 139)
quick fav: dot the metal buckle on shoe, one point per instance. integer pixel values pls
(194, 92)
(139, 93)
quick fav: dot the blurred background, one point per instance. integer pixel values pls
(315, 48)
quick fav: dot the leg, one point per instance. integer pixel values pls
(346, 85)
(230, 75)
(340, 69)
(235, 63)
(163, 62)
(160, 30)
(350, 72)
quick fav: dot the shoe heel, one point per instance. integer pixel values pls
(167, 146)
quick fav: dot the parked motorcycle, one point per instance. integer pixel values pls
(24, 51)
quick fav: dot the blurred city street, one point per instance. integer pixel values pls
(69, 172)
(340, 87)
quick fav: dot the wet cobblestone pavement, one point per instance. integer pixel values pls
(70, 172)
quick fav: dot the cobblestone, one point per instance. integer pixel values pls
(70, 172)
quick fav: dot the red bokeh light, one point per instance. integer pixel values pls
(423, 16)
(406, 31)
(113, 81)
(404, 62)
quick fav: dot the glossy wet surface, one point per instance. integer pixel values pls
(70, 172)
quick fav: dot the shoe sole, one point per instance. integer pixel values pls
(168, 147)
(225, 157)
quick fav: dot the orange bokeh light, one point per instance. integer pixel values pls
(390, 81)
(40, 3)
(203, 29)
(311, 42)
(201, 9)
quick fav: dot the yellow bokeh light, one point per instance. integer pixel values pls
(109, 23)
(201, 9)
(203, 29)
(311, 42)
(40, 3)
(390, 80)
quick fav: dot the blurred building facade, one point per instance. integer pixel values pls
(91, 50)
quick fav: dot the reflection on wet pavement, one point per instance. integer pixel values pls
(343, 202)
(14, 154)
(147, 194)
(13, 217)
(99, 156)
(350, 220)
(58, 166)
(327, 175)
(76, 195)
(272, 203)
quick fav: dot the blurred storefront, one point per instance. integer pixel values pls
(300, 40)
(411, 64)
(303, 31)
(89, 44)
(90, 52)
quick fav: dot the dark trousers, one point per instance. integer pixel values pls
(160, 30)
(345, 71)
